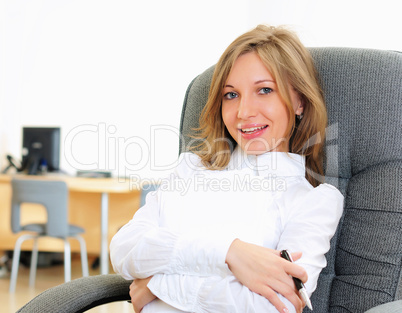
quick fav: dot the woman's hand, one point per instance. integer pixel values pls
(263, 271)
(140, 294)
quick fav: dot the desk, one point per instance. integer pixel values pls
(102, 186)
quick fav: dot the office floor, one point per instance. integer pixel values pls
(47, 277)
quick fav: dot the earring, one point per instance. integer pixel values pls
(300, 116)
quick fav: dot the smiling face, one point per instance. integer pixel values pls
(252, 109)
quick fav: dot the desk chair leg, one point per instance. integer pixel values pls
(67, 261)
(84, 256)
(16, 260)
(34, 263)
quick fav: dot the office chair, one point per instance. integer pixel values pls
(363, 93)
(53, 195)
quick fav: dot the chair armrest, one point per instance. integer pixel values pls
(390, 307)
(80, 295)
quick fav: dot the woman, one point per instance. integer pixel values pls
(215, 247)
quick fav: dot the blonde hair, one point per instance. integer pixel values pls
(290, 64)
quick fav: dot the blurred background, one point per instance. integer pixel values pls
(113, 74)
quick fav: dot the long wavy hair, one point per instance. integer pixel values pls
(290, 64)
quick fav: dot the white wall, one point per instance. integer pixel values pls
(113, 74)
(349, 23)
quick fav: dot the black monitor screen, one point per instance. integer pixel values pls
(41, 149)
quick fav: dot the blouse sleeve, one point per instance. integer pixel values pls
(143, 248)
(309, 222)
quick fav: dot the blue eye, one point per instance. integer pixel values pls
(265, 90)
(230, 95)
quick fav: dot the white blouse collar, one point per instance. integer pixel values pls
(269, 163)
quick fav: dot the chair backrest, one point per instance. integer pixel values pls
(363, 94)
(53, 195)
(145, 189)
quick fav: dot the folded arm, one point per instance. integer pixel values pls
(142, 248)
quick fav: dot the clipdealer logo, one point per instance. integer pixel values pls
(127, 155)
(115, 153)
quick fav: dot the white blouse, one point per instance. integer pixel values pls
(182, 234)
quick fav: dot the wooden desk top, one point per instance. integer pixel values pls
(83, 184)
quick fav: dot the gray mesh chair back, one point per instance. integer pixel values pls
(53, 195)
(363, 93)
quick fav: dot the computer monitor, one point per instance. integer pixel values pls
(40, 149)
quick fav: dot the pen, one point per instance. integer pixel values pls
(298, 282)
